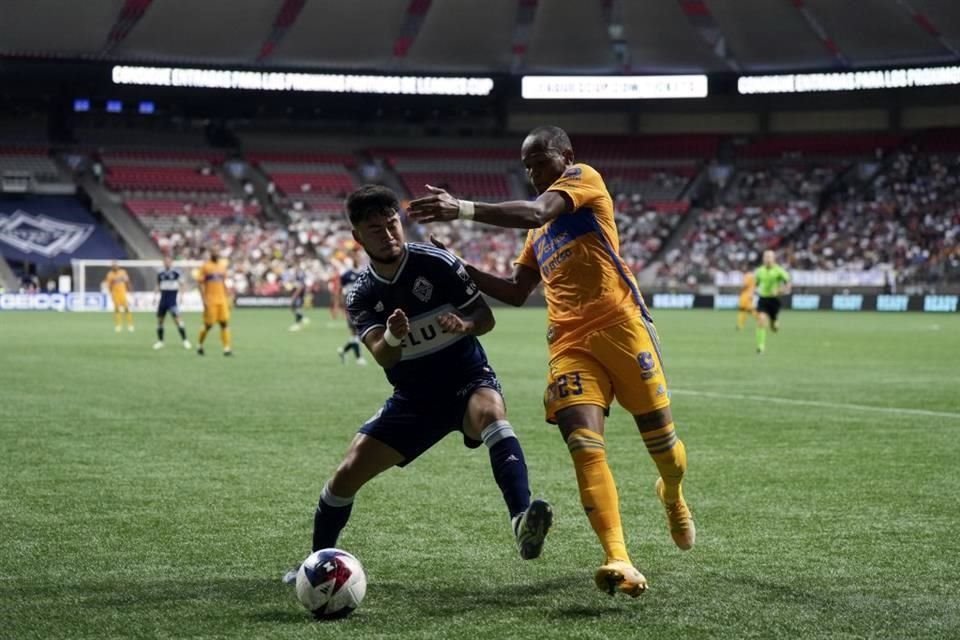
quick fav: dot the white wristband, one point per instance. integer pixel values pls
(391, 339)
(465, 210)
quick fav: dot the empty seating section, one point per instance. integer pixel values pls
(174, 192)
(939, 141)
(295, 184)
(29, 160)
(775, 182)
(308, 183)
(181, 159)
(821, 145)
(614, 148)
(656, 185)
(466, 172)
(472, 186)
(138, 178)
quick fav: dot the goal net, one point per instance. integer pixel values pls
(88, 277)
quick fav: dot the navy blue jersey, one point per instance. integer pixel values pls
(348, 280)
(300, 283)
(169, 283)
(429, 282)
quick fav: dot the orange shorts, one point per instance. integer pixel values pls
(622, 362)
(745, 303)
(120, 302)
(215, 313)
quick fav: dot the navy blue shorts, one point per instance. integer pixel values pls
(297, 302)
(165, 308)
(413, 426)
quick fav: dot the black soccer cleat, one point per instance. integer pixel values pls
(200, 351)
(531, 528)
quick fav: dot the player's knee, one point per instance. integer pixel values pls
(488, 414)
(585, 416)
(350, 476)
(485, 408)
(223, 325)
(653, 420)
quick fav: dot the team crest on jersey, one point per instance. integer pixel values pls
(648, 365)
(422, 289)
(646, 360)
(41, 234)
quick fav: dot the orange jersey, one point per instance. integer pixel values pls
(118, 282)
(587, 284)
(213, 280)
(749, 285)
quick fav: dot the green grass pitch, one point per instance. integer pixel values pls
(160, 495)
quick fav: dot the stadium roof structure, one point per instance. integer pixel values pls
(518, 36)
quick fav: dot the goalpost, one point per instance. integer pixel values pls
(88, 276)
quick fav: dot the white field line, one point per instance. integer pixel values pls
(817, 403)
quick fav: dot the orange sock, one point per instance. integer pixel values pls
(202, 336)
(670, 456)
(598, 492)
(225, 338)
(117, 319)
(129, 318)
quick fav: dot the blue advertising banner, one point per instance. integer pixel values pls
(51, 230)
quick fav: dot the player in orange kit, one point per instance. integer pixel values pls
(117, 282)
(746, 306)
(216, 306)
(601, 337)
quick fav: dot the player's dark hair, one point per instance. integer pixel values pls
(371, 200)
(552, 137)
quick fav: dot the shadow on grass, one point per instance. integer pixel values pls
(268, 601)
(560, 597)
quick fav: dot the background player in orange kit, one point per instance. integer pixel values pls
(601, 337)
(117, 281)
(745, 305)
(216, 306)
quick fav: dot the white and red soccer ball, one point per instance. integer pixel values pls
(331, 583)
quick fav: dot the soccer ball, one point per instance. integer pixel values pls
(331, 583)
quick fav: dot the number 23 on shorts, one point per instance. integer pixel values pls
(569, 384)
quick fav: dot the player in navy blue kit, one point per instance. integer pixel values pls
(297, 300)
(419, 312)
(348, 281)
(169, 285)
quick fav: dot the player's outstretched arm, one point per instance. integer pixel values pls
(385, 344)
(513, 290)
(440, 206)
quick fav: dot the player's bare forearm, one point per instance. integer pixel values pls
(385, 355)
(502, 289)
(517, 214)
(513, 290)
